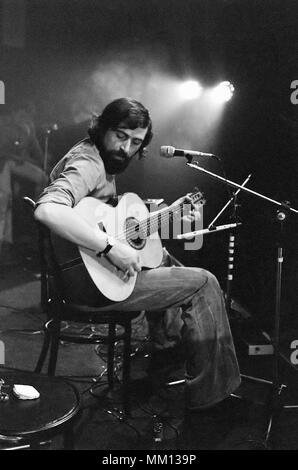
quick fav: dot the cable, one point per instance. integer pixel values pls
(152, 412)
(26, 331)
(89, 389)
(119, 415)
(24, 311)
(160, 422)
(11, 308)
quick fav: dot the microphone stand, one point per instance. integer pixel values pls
(46, 150)
(231, 246)
(236, 185)
(48, 132)
(274, 405)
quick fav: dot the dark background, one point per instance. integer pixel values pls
(71, 57)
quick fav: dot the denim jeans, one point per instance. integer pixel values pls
(186, 305)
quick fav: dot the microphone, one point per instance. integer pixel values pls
(167, 151)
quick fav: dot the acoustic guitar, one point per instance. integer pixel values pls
(131, 223)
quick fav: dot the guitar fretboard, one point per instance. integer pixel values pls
(155, 221)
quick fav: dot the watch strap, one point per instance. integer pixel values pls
(106, 250)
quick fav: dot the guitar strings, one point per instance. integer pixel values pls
(151, 222)
(153, 219)
(171, 209)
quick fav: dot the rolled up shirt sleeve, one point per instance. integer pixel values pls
(74, 177)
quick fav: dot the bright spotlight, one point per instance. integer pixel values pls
(190, 90)
(223, 92)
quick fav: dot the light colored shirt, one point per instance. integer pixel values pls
(79, 173)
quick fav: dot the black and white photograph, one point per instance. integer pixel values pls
(148, 228)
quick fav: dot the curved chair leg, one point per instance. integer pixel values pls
(111, 352)
(44, 351)
(126, 367)
(55, 337)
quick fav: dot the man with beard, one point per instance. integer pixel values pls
(184, 304)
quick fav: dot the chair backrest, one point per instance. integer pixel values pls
(52, 286)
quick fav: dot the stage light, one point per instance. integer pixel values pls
(223, 92)
(190, 90)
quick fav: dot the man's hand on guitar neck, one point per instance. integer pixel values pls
(191, 212)
(125, 258)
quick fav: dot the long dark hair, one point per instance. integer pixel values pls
(126, 111)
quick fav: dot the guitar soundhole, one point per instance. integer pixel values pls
(134, 236)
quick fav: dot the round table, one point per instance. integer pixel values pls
(28, 422)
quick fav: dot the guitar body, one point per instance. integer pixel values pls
(119, 222)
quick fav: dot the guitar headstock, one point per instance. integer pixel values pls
(196, 197)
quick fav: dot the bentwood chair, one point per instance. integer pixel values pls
(58, 310)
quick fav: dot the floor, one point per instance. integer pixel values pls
(235, 424)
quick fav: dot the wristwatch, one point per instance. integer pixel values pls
(110, 243)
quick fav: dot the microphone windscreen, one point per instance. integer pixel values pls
(167, 151)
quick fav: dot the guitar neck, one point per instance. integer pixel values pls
(156, 220)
